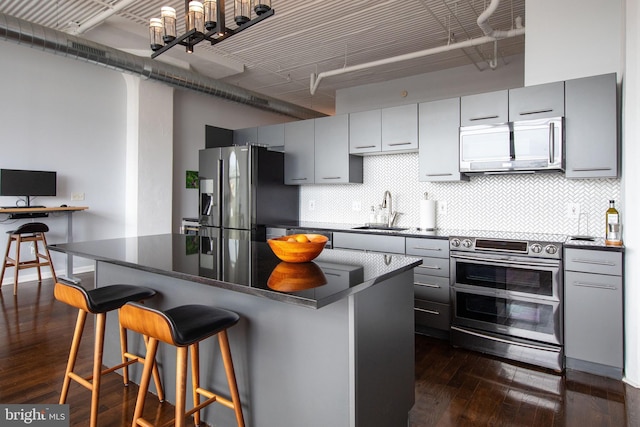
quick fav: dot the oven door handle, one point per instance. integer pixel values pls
(490, 337)
(523, 263)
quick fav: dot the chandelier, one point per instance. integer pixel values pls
(204, 20)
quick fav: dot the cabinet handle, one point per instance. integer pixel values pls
(424, 310)
(298, 179)
(591, 169)
(393, 144)
(526, 113)
(594, 261)
(427, 285)
(552, 142)
(595, 285)
(430, 267)
(482, 118)
(331, 177)
(438, 174)
(364, 146)
(420, 248)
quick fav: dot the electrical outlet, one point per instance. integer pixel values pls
(356, 206)
(442, 207)
(312, 205)
(573, 210)
(77, 196)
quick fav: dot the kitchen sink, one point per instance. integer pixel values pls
(379, 227)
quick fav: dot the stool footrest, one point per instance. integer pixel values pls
(213, 398)
(85, 382)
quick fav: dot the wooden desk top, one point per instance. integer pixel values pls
(45, 209)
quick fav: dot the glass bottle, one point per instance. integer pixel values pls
(613, 223)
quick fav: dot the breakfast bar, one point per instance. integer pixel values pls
(322, 343)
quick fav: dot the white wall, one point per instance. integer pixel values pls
(70, 117)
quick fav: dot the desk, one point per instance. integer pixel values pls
(69, 210)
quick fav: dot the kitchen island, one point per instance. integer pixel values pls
(305, 353)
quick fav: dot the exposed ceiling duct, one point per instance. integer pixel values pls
(491, 35)
(36, 36)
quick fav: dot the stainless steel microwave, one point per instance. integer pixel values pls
(522, 146)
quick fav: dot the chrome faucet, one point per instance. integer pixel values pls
(388, 204)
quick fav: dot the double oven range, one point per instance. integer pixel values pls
(506, 296)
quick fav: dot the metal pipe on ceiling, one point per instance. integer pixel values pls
(32, 35)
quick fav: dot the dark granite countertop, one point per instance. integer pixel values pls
(595, 243)
(246, 266)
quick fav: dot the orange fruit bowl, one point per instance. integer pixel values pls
(291, 277)
(298, 247)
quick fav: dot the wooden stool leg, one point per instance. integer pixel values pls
(37, 253)
(156, 373)
(73, 354)
(48, 255)
(17, 266)
(181, 385)
(149, 362)
(97, 367)
(4, 260)
(123, 352)
(195, 380)
(223, 339)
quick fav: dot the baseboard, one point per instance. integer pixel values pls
(46, 274)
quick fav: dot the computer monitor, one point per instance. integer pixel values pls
(27, 183)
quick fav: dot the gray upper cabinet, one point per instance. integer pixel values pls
(400, 128)
(365, 132)
(333, 164)
(591, 126)
(245, 136)
(536, 102)
(439, 154)
(484, 108)
(299, 152)
(272, 136)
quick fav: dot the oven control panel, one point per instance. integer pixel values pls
(507, 246)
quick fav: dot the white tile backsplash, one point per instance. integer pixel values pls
(518, 202)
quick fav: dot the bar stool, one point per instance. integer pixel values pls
(183, 327)
(99, 301)
(29, 232)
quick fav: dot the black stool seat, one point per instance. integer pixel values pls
(108, 298)
(193, 323)
(100, 301)
(184, 327)
(30, 228)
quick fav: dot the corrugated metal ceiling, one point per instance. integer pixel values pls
(277, 56)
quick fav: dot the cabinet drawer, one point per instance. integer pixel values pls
(369, 242)
(434, 267)
(432, 314)
(427, 247)
(431, 288)
(589, 261)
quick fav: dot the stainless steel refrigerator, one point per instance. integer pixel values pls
(242, 190)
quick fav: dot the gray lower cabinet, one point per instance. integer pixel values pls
(369, 242)
(431, 285)
(591, 127)
(299, 152)
(438, 130)
(594, 311)
(333, 163)
(400, 128)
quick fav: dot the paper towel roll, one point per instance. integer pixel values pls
(427, 214)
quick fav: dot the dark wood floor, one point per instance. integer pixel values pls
(454, 387)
